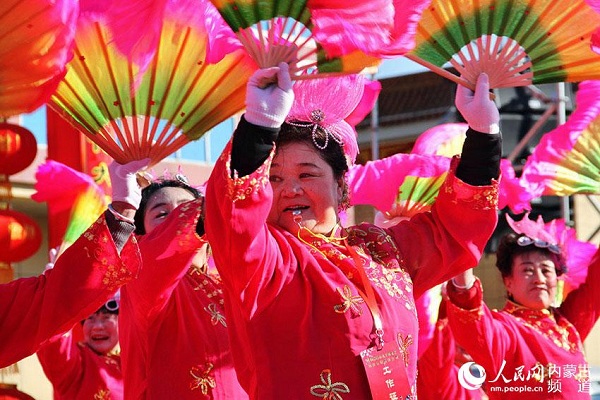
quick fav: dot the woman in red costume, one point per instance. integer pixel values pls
(529, 349)
(85, 276)
(173, 332)
(317, 310)
(90, 369)
(439, 364)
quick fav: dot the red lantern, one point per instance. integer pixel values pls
(18, 148)
(20, 236)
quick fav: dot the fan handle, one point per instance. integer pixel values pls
(446, 74)
(441, 71)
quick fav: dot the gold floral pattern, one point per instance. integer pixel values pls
(240, 188)
(189, 214)
(116, 273)
(349, 302)
(467, 316)
(102, 394)
(328, 390)
(384, 266)
(404, 343)
(202, 379)
(477, 197)
(216, 316)
(549, 324)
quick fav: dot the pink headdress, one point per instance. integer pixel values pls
(325, 103)
(543, 236)
(540, 234)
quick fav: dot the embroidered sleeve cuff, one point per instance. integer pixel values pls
(116, 269)
(478, 197)
(242, 187)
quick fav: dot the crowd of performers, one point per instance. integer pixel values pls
(254, 289)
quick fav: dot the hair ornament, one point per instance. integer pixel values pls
(325, 103)
(541, 234)
(146, 178)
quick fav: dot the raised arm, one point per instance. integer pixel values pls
(487, 339)
(239, 196)
(582, 306)
(85, 276)
(451, 238)
(61, 360)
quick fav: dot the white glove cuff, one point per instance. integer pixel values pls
(133, 196)
(262, 119)
(493, 128)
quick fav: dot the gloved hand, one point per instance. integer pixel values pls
(124, 183)
(477, 108)
(52, 256)
(269, 96)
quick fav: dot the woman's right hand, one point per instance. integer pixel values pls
(269, 96)
(126, 193)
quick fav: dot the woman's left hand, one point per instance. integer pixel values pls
(480, 112)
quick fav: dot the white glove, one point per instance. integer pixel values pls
(124, 183)
(269, 96)
(52, 255)
(477, 108)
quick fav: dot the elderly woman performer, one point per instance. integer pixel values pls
(529, 349)
(317, 309)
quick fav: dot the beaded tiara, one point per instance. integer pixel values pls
(325, 103)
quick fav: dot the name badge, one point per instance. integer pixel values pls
(386, 372)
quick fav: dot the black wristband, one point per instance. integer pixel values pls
(251, 145)
(480, 158)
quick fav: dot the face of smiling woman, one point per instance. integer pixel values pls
(303, 182)
(532, 282)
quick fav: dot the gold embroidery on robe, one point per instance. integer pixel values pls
(102, 394)
(202, 379)
(404, 343)
(327, 389)
(349, 302)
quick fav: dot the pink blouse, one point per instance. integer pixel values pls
(297, 320)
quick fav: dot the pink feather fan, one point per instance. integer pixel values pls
(37, 43)
(567, 160)
(447, 140)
